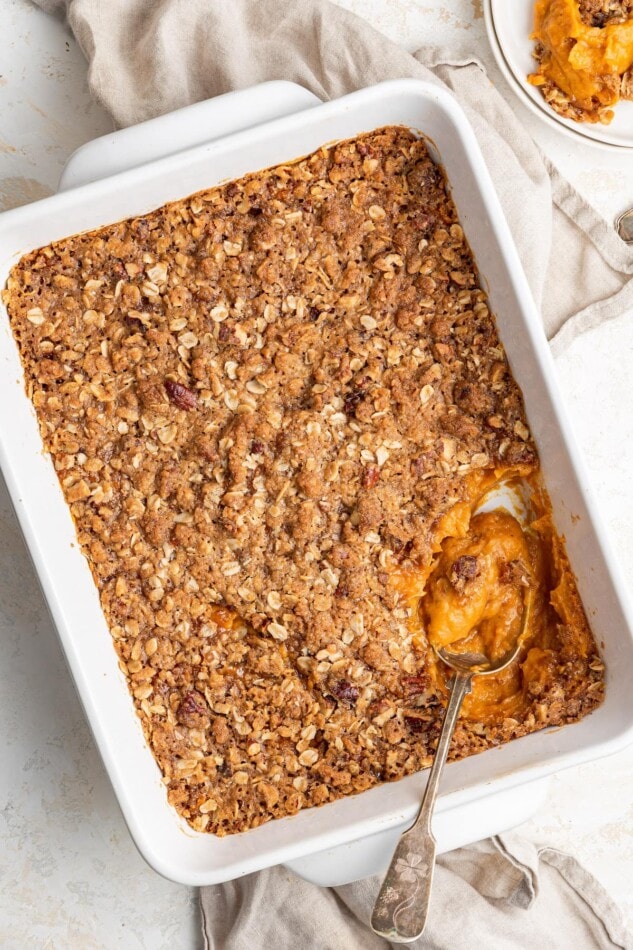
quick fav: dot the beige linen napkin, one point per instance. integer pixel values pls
(500, 894)
(150, 56)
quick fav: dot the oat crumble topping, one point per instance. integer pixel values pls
(601, 12)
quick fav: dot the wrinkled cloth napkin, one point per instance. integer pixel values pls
(147, 57)
(499, 894)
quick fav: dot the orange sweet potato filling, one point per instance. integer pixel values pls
(473, 592)
(475, 588)
(585, 62)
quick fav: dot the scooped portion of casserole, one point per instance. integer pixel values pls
(584, 50)
(270, 406)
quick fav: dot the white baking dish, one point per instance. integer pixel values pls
(377, 815)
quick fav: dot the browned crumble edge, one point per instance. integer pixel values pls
(602, 12)
(261, 399)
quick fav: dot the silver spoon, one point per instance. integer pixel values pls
(624, 226)
(402, 904)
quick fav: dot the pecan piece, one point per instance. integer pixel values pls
(341, 591)
(180, 395)
(464, 569)
(191, 709)
(423, 463)
(425, 222)
(344, 691)
(514, 572)
(370, 476)
(134, 324)
(352, 399)
(416, 684)
(224, 332)
(415, 724)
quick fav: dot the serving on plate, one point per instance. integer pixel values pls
(584, 52)
(200, 858)
(510, 27)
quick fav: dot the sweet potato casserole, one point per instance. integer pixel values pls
(274, 408)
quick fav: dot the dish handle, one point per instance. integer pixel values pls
(452, 828)
(185, 128)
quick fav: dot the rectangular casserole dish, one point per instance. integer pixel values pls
(163, 838)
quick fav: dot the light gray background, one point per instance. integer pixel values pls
(70, 877)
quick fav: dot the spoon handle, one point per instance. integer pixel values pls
(402, 905)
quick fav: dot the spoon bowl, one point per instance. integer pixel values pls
(478, 664)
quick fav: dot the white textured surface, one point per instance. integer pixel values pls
(69, 875)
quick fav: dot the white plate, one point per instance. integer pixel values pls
(509, 24)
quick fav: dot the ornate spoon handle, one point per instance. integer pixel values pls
(624, 226)
(402, 905)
